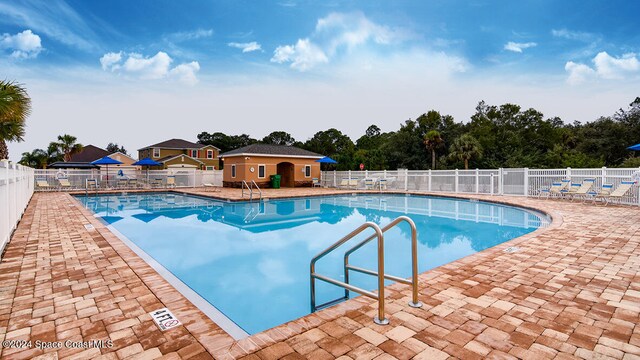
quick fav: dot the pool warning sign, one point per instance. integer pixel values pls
(164, 319)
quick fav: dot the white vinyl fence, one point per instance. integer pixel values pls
(184, 177)
(519, 182)
(16, 188)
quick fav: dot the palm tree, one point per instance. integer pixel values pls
(36, 159)
(432, 141)
(465, 148)
(15, 107)
(67, 146)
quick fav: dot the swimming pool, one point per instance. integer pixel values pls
(250, 261)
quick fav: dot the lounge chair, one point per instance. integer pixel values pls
(91, 184)
(122, 183)
(584, 188)
(43, 184)
(620, 192)
(382, 183)
(353, 184)
(64, 183)
(568, 192)
(155, 183)
(133, 183)
(369, 183)
(600, 194)
(214, 188)
(344, 184)
(315, 182)
(171, 181)
(555, 189)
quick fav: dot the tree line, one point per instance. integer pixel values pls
(496, 136)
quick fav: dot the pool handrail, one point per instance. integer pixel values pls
(414, 261)
(249, 187)
(380, 319)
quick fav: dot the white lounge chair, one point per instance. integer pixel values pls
(315, 182)
(584, 188)
(64, 183)
(212, 187)
(620, 192)
(42, 184)
(555, 189)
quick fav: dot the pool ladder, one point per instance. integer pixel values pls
(249, 187)
(380, 319)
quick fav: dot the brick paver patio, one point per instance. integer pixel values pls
(571, 292)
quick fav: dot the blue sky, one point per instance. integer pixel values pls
(303, 66)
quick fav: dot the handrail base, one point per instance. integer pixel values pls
(384, 321)
(415, 305)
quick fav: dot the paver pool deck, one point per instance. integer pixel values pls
(572, 291)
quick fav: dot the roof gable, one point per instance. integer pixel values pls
(177, 144)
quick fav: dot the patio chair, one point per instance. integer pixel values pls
(568, 192)
(353, 184)
(344, 184)
(122, 183)
(212, 187)
(555, 189)
(133, 183)
(620, 192)
(43, 184)
(171, 181)
(155, 183)
(368, 184)
(64, 183)
(584, 188)
(315, 182)
(382, 184)
(91, 184)
(600, 194)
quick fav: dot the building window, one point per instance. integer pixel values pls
(307, 171)
(233, 170)
(262, 169)
(194, 153)
(156, 152)
(211, 167)
(209, 154)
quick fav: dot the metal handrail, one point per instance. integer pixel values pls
(414, 261)
(244, 183)
(253, 183)
(380, 319)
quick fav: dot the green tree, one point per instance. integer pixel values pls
(279, 138)
(114, 148)
(36, 159)
(465, 148)
(225, 142)
(334, 144)
(68, 146)
(433, 141)
(53, 153)
(15, 107)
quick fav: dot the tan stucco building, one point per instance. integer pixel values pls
(297, 167)
(182, 153)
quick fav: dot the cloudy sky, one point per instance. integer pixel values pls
(139, 72)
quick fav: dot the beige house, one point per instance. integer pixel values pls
(182, 153)
(297, 167)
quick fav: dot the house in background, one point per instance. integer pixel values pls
(182, 153)
(83, 159)
(296, 167)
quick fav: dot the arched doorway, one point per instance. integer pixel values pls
(286, 172)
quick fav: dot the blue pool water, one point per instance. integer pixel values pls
(251, 260)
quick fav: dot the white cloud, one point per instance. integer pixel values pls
(186, 73)
(605, 67)
(609, 67)
(24, 45)
(150, 68)
(109, 61)
(518, 47)
(578, 73)
(573, 35)
(190, 35)
(303, 55)
(332, 33)
(246, 47)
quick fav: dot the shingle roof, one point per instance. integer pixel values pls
(176, 144)
(264, 149)
(88, 154)
(167, 158)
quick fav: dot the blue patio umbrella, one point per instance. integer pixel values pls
(147, 162)
(327, 160)
(106, 161)
(635, 147)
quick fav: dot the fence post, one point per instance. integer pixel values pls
(604, 175)
(526, 181)
(491, 184)
(429, 180)
(335, 183)
(349, 177)
(456, 184)
(477, 181)
(569, 173)
(501, 181)
(406, 179)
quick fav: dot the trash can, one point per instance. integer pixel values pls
(275, 181)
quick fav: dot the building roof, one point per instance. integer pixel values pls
(88, 154)
(177, 144)
(72, 165)
(271, 150)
